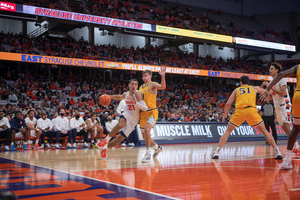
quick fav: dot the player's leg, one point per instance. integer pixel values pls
(236, 120)
(273, 128)
(122, 123)
(287, 161)
(223, 140)
(116, 141)
(12, 144)
(38, 136)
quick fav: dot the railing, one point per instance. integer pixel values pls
(39, 31)
(74, 35)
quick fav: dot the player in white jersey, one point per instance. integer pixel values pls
(282, 102)
(128, 120)
(31, 123)
(95, 130)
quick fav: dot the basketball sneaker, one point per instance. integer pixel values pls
(286, 164)
(7, 148)
(74, 146)
(93, 146)
(48, 146)
(102, 143)
(69, 146)
(57, 146)
(25, 147)
(278, 155)
(147, 158)
(37, 146)
(215, 155)
(12, 147)
(42, 146)
(103, 153)
(295, 151)
(28, 147)
(85, 145)
(157, 151)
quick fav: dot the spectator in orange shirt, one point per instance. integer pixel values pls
(72, 93)
(72, 102)
(29, 93)
(52, 86)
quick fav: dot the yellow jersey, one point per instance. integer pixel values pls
(245, 97)
(149, 97)
(298, 80)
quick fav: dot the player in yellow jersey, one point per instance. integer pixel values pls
(148, 119)
(245, 109)
(287, 161)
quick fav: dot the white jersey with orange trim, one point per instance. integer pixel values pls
(131, 110)
(279, 100)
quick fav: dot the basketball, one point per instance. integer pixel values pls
(104, 100)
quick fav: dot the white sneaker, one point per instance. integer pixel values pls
(7, 148)
(278, 155)
(215, 155)
(157, 151)
(147, 158)
(42, 146)
(131, 144)
(85, 145)
(74, 146)
(48, 146)
(123, 145)
(286, 164)
(57, 146)
(69, 145)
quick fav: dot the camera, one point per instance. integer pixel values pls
(264, 86)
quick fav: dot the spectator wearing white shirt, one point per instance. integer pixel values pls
(30, 122)
(12, 97)
(110, 124)
(79, 128)
(44, 124)
(5, 131)
(61, 128)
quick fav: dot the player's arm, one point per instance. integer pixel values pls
(118, 97)
(140, 101)
(30, 127)
(88, 123)
(161, 86)
(228, 104)
(286, 73)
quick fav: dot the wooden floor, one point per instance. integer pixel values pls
(245, 170)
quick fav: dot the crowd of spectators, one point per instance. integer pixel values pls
(153, 12)
(68, 47)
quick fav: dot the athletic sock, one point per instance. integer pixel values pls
(276, 149)
(108, 138)
(218, 149)
(155, 146)
(37, 141)
(288, 154)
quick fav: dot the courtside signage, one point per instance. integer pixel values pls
(263, 44)
(205, 130)
(127, 66)
(47, 12)
(193, 34)
(7, 6)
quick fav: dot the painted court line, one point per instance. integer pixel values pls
(145, 191)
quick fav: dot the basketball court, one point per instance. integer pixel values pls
(245, 170)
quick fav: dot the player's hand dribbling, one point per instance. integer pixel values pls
(162, 71)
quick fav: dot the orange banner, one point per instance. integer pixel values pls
(127, 66)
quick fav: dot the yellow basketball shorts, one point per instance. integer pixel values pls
(149, 116)
(247, 114)
(296, 108)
